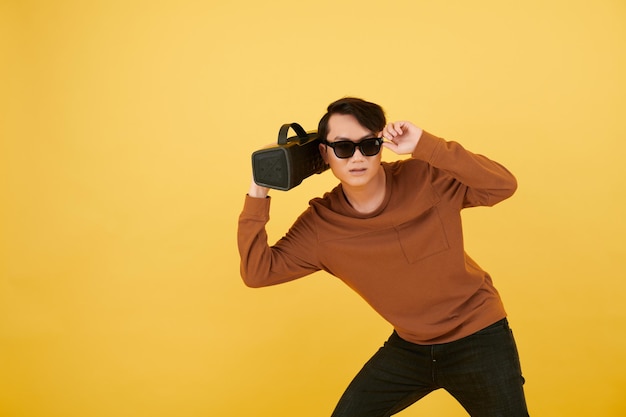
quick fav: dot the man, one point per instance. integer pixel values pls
(392, 232)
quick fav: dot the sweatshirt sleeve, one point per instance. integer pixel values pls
(484, 182)
(292, 257)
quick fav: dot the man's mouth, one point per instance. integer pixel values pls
(358, 170)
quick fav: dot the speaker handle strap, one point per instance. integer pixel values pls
(282, 133)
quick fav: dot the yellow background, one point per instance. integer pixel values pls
(126, 130)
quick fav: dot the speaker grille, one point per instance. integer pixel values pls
(270, 168)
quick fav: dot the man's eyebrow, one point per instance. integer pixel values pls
(368, 136)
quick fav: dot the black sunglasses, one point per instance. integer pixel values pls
(346, 148)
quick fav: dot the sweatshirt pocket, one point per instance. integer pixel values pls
(422, 236)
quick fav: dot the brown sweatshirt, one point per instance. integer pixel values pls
(406, 259)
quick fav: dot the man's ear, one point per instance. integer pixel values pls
(324, 152)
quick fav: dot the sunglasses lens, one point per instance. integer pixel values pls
(370, 147)
(344, 149)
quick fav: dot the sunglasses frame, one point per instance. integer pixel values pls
(355, 145)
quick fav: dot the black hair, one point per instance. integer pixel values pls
(369, 115)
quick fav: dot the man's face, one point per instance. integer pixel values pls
(357, 170)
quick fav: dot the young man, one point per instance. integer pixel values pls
(392, 232)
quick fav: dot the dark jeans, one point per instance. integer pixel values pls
(482, 371)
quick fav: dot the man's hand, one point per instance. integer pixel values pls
(257, 191)
(402, 137)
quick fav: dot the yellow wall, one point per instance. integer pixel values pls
(126, 129)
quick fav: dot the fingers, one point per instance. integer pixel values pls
(402, 137)
(393, 129)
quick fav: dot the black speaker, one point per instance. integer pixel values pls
(285, 165)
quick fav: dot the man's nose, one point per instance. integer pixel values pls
(357, 153)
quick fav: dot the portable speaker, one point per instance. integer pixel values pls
(287, 164)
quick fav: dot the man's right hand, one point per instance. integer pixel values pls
(257, 191)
